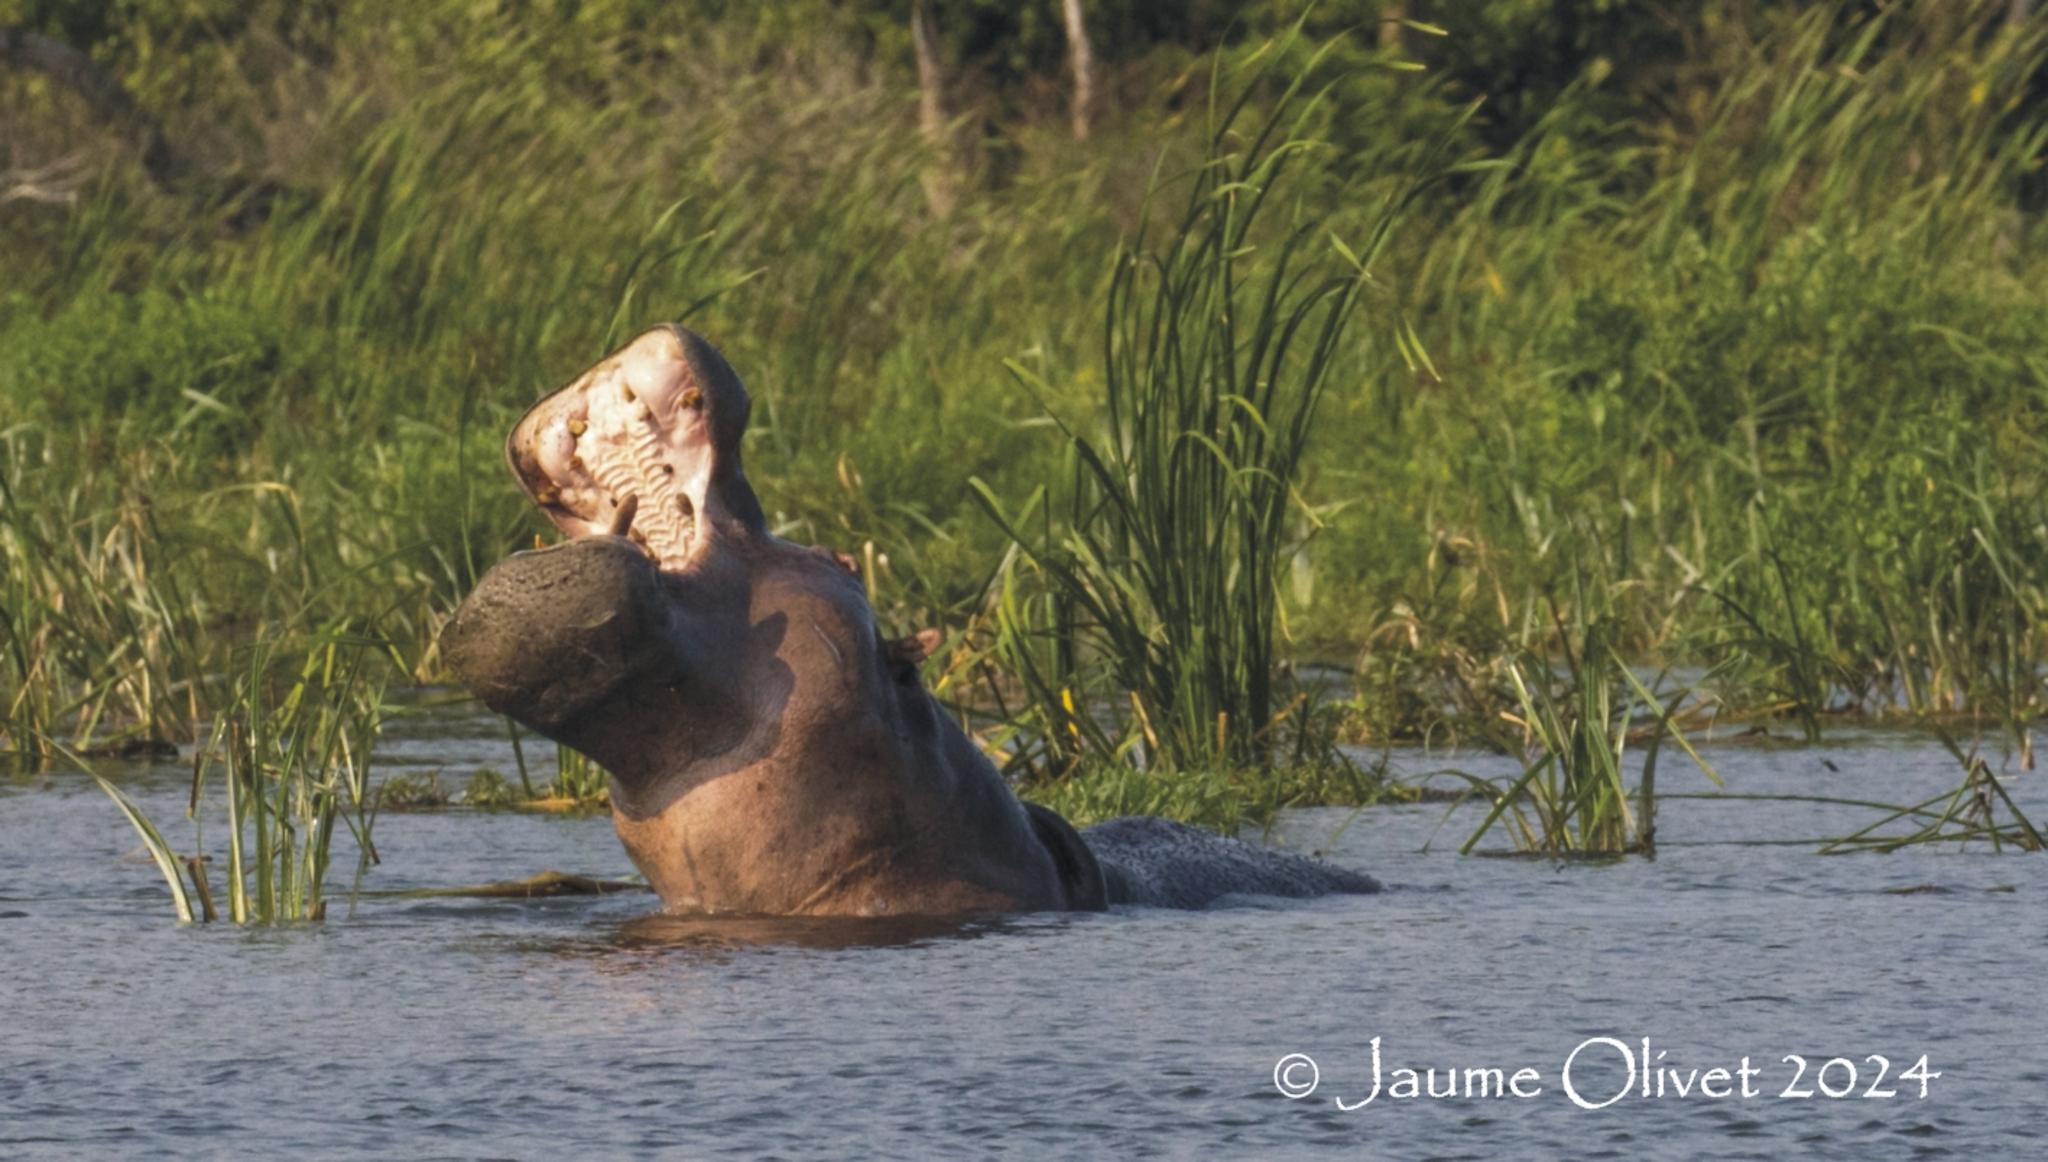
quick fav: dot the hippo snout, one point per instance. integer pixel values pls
(547, 635)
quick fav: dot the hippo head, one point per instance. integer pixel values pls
(770, 751)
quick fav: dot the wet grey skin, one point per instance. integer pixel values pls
(769, 751)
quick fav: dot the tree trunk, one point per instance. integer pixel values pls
(931, 114)
(1084, 66)
(1391, 16)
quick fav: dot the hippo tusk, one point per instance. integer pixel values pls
(622, 520)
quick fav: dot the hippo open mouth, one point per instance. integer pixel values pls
(629, 448)
(770, 752)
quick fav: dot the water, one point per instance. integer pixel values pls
(580, 1028)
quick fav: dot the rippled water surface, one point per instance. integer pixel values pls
(580, 1028)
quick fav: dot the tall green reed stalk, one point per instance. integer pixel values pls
(292, 750)
(1158, 588)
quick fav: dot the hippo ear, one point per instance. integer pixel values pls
(913, 650)
(1080, 875)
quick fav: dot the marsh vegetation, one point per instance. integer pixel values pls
(1495, 364)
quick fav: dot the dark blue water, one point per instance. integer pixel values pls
(581, 1028)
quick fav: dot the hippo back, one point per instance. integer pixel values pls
(1158, 863)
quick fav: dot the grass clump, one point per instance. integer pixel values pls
(292, 751)
(1227, 799)
(1156, 589)
(579, 783)
(1573, 797)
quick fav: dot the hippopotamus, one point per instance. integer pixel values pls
(770, 751)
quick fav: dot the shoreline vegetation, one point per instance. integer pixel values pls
(1493, 364)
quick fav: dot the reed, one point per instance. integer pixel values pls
(578, 783)
(1157, 588)
(578, 780)
(1228, 800)
(100, 635)
(1977, 809)
(291, 750)
(1578, 725)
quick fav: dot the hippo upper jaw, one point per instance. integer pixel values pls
(645, 445)
(637, 461)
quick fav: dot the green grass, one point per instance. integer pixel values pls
(1157, 587)
(292, 752)
(1770, 360)
(1227, 799)
(1577, 727)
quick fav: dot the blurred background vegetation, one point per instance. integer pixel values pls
(1723, 329)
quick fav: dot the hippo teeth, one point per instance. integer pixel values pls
(670, 520)
(625, 450)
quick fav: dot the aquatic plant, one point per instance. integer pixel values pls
(101, 640)
(1577, 725)
(1229, 800)
(579, 783)
(291, 748)
(1158, 586)
(1979, 808)
(578, 780)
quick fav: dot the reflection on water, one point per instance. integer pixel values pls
(833, 934)
(586, 1026)
(717, 937)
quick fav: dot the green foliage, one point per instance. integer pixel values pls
(421, 790)
(578, 780)
(1572, 797)
(1750, 331)
(1163, 575)
(292, 748)
(1977, 808)
(293, 751)
(488, 788)
(1228, 800)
